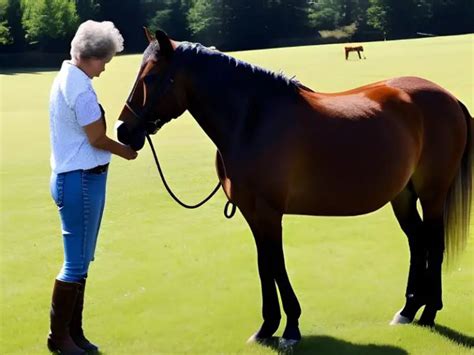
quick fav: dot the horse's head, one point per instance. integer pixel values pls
(158, 93)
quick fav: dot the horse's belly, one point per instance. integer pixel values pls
(348, 189)
(314, 206)
(337, 204)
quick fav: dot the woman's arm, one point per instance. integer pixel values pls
(97, 137)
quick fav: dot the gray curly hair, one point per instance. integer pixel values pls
(96, 39)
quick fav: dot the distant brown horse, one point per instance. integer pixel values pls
(357, 49)
(285, 149)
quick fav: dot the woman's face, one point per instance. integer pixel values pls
(95, 66)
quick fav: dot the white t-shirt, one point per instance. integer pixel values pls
(73, 105)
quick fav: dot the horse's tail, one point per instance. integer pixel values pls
(457, 209)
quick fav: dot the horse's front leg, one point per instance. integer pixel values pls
(292, 308)
(265, 223)
(270, 305)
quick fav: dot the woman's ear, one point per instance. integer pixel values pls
(166, 48)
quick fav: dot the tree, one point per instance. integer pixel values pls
(394, 18)
(452, 16)
(377, 16)
(170, 16)
(358, 12)
(128, 17)
(12, 34)
(289, 18)
(248, 24)
(229, 24)
(17, 32)
(50, 23)
(87, 9)
(244, 24)
(423, 15)
(5, 36)
(325, 14)
(205, 19)
(403, 18)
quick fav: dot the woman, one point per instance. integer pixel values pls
(80, 156)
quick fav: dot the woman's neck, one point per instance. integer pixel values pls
(81, 64)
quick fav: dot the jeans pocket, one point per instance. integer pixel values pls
(57, 189)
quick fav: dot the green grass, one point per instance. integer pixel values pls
(171, 281)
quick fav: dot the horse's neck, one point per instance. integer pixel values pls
(218, 109)
(223, 99)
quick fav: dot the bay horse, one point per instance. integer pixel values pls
(348, 49)
(283, 148)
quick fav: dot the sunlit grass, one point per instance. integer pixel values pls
(170, 281)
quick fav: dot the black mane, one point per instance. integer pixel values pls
(223, 65)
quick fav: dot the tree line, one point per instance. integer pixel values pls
(48, 25)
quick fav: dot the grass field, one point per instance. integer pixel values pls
(171, 281)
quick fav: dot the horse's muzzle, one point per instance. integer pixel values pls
(133, 138)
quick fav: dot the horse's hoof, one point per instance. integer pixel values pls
(256, 339)
(428, 317)
(253, 339)
(399, 319)
(425, 324)
(287, 344)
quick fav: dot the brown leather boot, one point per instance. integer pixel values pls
(62, 306)
(75, 329)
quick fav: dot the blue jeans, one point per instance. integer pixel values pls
(80, 197)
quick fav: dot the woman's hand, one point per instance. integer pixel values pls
(128, 153)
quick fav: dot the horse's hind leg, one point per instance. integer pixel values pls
(426, 240)
(433, 222)
(404, 207)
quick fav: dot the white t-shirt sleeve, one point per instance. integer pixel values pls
(87, 108)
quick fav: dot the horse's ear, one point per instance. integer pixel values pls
(149, 35)
(166, 47)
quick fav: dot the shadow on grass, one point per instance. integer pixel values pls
(316, 344)
(455, 336)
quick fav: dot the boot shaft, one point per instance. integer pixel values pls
(76, 318)
(65, 295)
(75, 327)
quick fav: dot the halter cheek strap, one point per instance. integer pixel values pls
(137, 116)
(150, 126)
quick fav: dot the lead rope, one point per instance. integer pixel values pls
(226, 208)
